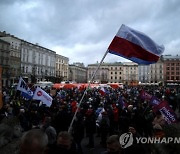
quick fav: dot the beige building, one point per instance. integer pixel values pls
(115, 72)
(130, 73)
(107, 73)
(78, 73)
(62, 68)
(102, 75)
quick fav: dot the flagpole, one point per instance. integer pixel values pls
(70, 127)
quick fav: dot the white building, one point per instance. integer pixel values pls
(144, 73)
(152, 73)
(37, 62)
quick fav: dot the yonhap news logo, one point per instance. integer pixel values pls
(126, 140)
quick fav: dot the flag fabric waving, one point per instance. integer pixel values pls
(23, 87)
(102, 91)
(167, 112)
(135, 46)
(42, 96)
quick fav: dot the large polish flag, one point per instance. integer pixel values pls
(42, 96)
(135, 46)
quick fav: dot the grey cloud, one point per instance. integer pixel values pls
(90, 24)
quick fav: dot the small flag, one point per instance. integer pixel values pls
(135, 46)
(167, 112)
(122, 103)
(25, 90)
(42, 96)
(28, 95)
(154, 101)
(102, 91)
(144, 95)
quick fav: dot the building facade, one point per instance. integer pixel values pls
(62, 68)
(107, 73)
(4, 62)
(102, 74)
(130, 73)
(78, 73)
(37, 62)
(171, 69)
(14, 58)
(153, 73)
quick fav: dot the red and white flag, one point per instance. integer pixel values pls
(135, 46)
(102, 91)
(42, 96)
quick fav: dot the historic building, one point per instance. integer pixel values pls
(102, 74)
(78, 73)
(37, 62)
(171, 69)
(153, 73)
(130, 73)
(4, 62)
(14, 58)
(62, 68)
(107, 73)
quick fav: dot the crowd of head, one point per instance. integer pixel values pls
(45, 128)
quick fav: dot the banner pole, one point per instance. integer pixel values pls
(70, 127)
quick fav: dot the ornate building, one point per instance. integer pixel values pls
(4, 62)
(78, 73)
(62, 68)
(171, 69)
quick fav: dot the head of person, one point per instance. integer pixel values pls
(130, 108)
(113, 145)
(64, 140)
(34, 141)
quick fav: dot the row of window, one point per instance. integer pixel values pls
(173, 64)
(173, 78)
(36, 71)
(172, 73)
(173, 68)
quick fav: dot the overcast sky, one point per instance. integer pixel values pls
(83, 29)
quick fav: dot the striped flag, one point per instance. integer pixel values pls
(135, 46)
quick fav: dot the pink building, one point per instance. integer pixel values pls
(172, 69)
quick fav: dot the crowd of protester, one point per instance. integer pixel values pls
(105, 115)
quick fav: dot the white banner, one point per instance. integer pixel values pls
(42, 96)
